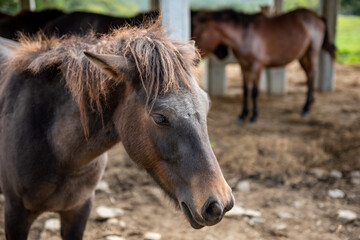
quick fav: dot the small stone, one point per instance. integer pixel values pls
(152, 236)
(112, 221)
(235, 211)
(239, 211)
(103, 186)
(209, 237)
(336, 193)
(355, 181)
(122, 224)
(346, 215)
(2, 198)
(43, 235)
(52, 224)
(104, 213)
(284, 215)
(336, 174)
(114, 237)
(318, 223)
(256, 220)
(280, 226)
(319, 173)
(243, 186)
(299, 204)
(355, 174)
(252, 213)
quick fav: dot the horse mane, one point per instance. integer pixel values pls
(161, 64)
(229, 15)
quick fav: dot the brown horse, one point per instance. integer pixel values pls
(82, 22)
(27, 22)
(65, 102)
(259, 41)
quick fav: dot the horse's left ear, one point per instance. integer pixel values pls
(113, 65)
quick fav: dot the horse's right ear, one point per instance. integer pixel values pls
(114, 65)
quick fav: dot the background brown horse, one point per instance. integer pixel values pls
(62, 110)
(82, 22)
(259, 41)
(27, 22)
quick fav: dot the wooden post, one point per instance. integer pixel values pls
(26, 5)
(326, 74)
(176, 18)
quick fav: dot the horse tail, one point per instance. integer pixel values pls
(327, 45)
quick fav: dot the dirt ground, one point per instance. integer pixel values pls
(286, 159)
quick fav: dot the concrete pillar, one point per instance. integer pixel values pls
(27, 5)
(277, 83)
(214, 77)
(154, 4)
(326, 74)
(176, 18)
(276, 77)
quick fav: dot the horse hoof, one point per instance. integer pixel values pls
(252, 121)
(306, 113)
(240, 121)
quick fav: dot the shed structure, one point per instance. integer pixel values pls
(176, 19)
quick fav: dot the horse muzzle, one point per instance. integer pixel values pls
(209, 214)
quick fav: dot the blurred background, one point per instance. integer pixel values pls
(348, 23)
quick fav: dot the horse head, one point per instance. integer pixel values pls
(163, 125)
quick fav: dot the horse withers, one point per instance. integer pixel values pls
(259, 41)
(65, 102)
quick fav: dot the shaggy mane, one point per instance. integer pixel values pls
(162, 64)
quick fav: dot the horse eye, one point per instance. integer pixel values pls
(160, 120)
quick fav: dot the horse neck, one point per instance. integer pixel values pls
(71, 142)
(230, 34)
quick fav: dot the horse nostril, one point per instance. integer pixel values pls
(212, 212)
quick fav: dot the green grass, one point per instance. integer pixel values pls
(348, 39)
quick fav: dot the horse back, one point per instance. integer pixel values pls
(287, 37)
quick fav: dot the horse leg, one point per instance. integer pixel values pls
(307, 62)
(245, 110)
(73, 222)
(17, 220)
(255, 94)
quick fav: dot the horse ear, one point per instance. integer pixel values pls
(113, 65)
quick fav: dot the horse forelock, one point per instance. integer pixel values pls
(162, 64)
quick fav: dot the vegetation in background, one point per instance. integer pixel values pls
(348, 39)
(293, 4)
(350, 7)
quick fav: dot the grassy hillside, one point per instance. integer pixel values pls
(348, 39)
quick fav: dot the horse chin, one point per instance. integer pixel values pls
(190, 217)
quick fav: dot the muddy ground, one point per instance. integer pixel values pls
(285, 158)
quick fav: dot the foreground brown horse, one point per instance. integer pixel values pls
(259, 41)
(65, 102)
